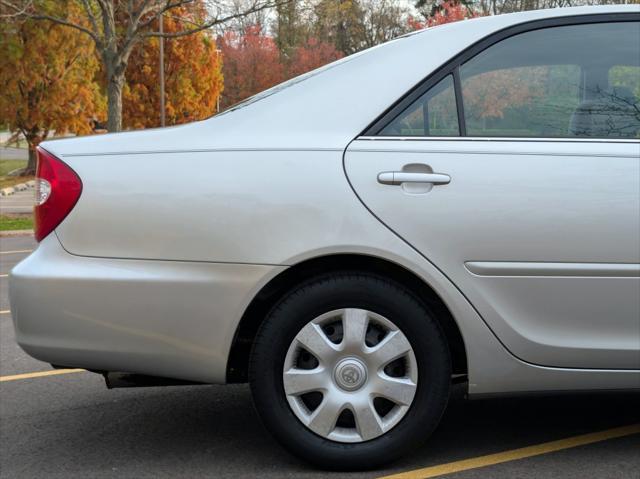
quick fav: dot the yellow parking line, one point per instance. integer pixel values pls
(5, 311)
(517, 454)
(40, 374)
(17, 251)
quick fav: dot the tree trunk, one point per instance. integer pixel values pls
(34, 137)
(115, 83)
(31, 163)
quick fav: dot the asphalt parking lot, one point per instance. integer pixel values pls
(69, 425)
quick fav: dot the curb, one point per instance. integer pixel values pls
(10, 233)
(10, 190)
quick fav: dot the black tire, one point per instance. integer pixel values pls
(350, 290)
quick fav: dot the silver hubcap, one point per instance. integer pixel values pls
(350, 375)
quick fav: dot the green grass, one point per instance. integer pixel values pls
(9, 165)
(10, 223)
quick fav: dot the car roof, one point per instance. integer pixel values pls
(327, 108)
(330, 108)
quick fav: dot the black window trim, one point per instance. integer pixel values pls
(457, 88)
(452, 67)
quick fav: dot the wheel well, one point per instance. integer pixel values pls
(237, 367)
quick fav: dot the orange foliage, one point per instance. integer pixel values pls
(46, 73)
(251, 64)
(489, 94)
(448, 12)
(193, 78)
(312, 55)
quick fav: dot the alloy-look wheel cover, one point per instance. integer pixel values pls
(350, 374)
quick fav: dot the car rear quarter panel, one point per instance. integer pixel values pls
(259, 207)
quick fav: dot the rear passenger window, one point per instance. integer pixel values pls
(627, 77)
(530, 101)
(433, 114)
(570, 81)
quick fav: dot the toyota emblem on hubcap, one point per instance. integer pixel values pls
(350, 374)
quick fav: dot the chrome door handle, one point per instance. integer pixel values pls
(399, 177)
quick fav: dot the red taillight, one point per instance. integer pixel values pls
(57, 191)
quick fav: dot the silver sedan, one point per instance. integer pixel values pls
(459, 205)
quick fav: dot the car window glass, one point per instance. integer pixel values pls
(433, 114)
(570, 81)
(625, 76)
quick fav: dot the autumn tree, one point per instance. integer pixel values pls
(313, 54)
(436, 12)
(193, 76)
(47, 76)
(117, 26)
(497, 7)
(491, 94)
(352, 25)
(289, 27)
(241, 22)
(446, 11)
(251, 63)
(340, 22)
(383, 20)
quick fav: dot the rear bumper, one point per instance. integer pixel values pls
(166, 318)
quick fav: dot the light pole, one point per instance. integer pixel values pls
(218, 53)
(162, 114)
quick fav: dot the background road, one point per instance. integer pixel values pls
(10, 153)
(70, 425)
(19, 202)
(22, 201)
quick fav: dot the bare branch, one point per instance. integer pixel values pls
(90, 15)
(16, 10)
(67, 23)
(256, 7)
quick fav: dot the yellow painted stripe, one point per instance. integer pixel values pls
(5, 311)
(40, 374)
(17, 251)
(516, 454)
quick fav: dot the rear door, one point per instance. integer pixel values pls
(516, 171)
